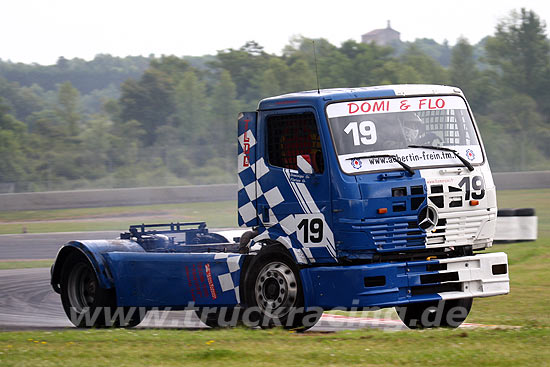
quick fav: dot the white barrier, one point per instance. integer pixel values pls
(515, 225)
(117, 197)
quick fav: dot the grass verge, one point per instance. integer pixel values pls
(237, 347)
(217, 214)
(25, 264)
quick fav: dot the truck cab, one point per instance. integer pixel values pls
(387, 189)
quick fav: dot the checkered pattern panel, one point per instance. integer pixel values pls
(301, 255)
(258, 194)
(229, 281)
(255, 195)
(246, 168)
(280, 227)
(285, 232)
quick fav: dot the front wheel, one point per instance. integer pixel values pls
(448, 313)
(86, 304)
(274, 293)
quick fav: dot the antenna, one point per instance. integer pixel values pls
(316, 71)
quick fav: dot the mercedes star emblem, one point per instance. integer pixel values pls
(427, 218)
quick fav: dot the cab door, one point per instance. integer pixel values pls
(293, 182)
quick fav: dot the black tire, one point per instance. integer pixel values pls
(220, 317)
(274, 294)
(506, 212)
(86, 304)
(449, 313)
(525, 212)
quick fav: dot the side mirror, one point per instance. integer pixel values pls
(304, 164)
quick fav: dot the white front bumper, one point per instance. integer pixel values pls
(477, 275)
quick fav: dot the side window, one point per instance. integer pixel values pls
(291, 135)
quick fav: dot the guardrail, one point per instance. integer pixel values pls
(522, 180)
(199, 193)
(117, 197)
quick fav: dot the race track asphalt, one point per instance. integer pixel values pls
(27, 302)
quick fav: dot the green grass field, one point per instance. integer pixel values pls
(241, 347)
(521, 337)
(222, 214)
(25, 264)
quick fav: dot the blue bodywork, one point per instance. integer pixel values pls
(151, 267)
(370, 285)
(175, 280)
(162, 265)
(348, 203)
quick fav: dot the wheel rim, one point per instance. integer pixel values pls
(276, 289)
(81, 287)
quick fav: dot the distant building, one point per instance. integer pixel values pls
(382, 37)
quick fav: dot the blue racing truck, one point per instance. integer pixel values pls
(353, 198)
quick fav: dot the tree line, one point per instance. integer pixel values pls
(170, 120)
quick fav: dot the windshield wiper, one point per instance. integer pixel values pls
(395, 158)
(462, 159)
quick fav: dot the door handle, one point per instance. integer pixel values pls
(264, 212)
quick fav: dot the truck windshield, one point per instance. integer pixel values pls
(361, 129)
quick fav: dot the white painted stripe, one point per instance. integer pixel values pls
(309, 206)
(331, 248)
(308, 198)
(304, 165)
(287, 176)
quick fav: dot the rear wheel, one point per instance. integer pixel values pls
(449, 313)
(86, 304)
(274, 293)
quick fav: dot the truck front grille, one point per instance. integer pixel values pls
(458, 228)
(392, 235)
